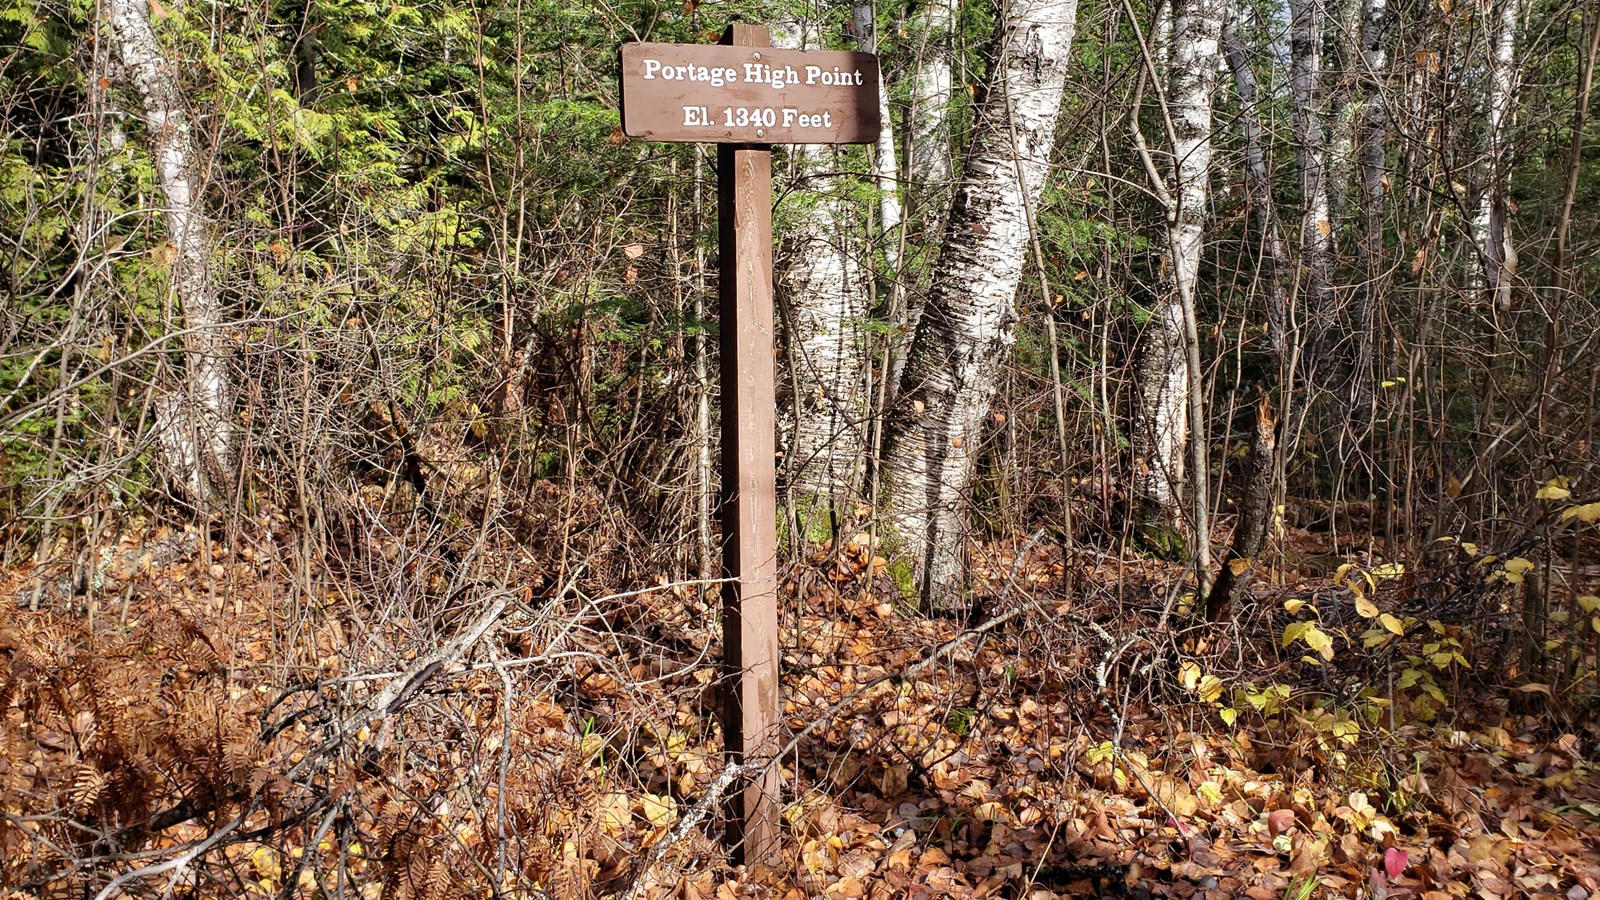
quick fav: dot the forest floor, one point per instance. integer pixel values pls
(1056, 744)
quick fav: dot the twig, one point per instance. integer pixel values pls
(401, 690)
(176, 863)
(690, 819)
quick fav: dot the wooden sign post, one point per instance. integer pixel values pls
(745, 96)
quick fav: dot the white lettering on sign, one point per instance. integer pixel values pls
(716, 76)
(775, 77)
(837, 77)
(728, 94)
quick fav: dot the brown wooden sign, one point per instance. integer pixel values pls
(744, 95)
(723, 94)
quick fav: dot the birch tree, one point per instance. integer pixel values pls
(885, 162)
(1373, 133)
(929, 168)
(1306, 19)
(968, 329)
(824, 295)
(194, 423)
(1169, 406)
(932, 84)
(1262, 480)
(1490, 227)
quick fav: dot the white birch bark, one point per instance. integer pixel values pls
(1490, 229)
(194, 423)
(1344, 104)
(967, 331)
(1164, 419)
(885, 162)
(824, 293)
(932, 89)
(929, 167)
(1374, 180)
(1316, 226)
(1258, 185)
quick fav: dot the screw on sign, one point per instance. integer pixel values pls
(744, 95)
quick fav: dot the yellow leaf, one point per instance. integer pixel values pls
(1211, 792)
(1389, 570)
(1391, 623)
(661, 810)
(1366, 607)
(1210, 688)
(1318, 640)
(1294, 605)
(1229, 715)
(1516, 568)
(1293, 631)
(1589, 513)
(1188, 675)
(1554, 489)
(1372, 637)
(265, 861)
(1589, 603)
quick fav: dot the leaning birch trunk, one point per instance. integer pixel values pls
(1240, 562)
(1169, 376)
(824, 295)
(1316, 225)
(968, 330)
(1490, 229)
(194, 423)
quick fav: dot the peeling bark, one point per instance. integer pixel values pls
(1239, 564)
(194, 423)
(968, 329)
(824, 295)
